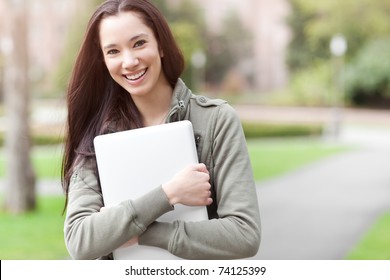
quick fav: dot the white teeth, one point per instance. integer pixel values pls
(136, 76)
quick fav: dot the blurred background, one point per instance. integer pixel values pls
(310, 81)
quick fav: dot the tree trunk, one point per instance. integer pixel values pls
(20, 181)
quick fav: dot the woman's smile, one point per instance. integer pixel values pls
(137, 76)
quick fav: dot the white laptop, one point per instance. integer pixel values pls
(133, 162)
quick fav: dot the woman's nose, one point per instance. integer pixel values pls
(129, 60)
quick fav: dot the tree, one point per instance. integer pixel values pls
(299, 53)
(73, 41)
(20, 188)
(188, 26)
(231, 47)
(315, 22)
(368, 75)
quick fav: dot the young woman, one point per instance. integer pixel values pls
(127, 76)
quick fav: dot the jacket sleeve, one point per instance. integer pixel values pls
(91, 234)
(236, 231)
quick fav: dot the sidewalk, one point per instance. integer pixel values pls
(45, 187)
(323, 210)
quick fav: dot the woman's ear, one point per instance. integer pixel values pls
(161, 53)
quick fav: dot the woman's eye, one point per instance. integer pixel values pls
(139, 43)
(111, 52)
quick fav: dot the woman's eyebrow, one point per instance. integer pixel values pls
(110, 46)
(134, 38)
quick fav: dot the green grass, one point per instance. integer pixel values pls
(376, 243)
(37, 235)
(273, 157)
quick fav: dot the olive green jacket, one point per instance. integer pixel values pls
(233, 228)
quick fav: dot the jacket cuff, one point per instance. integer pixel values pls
(151, 206)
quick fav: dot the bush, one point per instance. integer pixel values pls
(312, 86)
(251, 130)
(39, 140)
(261, 130)
(367, 78)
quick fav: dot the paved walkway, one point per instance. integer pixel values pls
(321, 211)
(45, 187)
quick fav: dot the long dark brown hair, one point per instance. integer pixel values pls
(94, 99)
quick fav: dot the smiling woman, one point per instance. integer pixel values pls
(127, 76)
(133, 58)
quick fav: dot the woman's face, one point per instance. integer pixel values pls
(131, 53)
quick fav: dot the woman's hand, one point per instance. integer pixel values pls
(190, 187)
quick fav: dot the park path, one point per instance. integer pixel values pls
(321, 211)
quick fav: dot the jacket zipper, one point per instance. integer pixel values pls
(181, 106)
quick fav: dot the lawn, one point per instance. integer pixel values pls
(376, 243)
(37, 235)
(34, 236)
(274, 157)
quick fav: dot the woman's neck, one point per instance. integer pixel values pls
(154, 107)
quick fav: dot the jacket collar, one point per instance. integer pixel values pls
(181, 98)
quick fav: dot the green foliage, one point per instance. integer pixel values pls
(315, 22)
(261, 130)
(236, 37)
(39, 139)
(375, 245)
(368, 74)
(162, 6)
(188, 38)
(189, 28)
(73, 39)
(312, 86)
(299, 54)
(227, 49)
(224, 50)
(185, 10)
